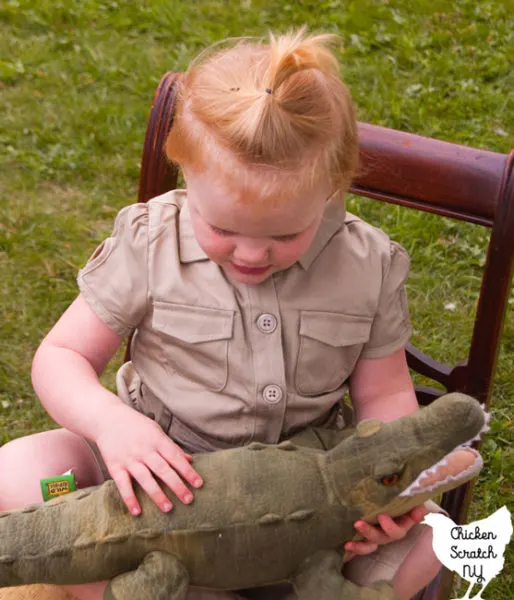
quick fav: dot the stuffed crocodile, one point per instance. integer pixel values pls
(265, 514)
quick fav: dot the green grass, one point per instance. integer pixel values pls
(77, 80)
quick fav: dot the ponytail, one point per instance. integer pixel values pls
(280, 104)
(294, 52)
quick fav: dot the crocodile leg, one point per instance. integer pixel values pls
(161, 576)
(320, 576)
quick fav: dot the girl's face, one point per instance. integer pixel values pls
(248, 239)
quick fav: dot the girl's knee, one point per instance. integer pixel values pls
(27, 460)
(35, 592)
(88, 591)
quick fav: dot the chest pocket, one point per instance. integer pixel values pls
(330, 344)
(195, 341)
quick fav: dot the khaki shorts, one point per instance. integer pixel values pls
(363, 570)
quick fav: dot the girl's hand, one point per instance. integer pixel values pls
(132, 445)
(386, 531)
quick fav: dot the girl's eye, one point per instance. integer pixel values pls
(219, 231)
(285, 238)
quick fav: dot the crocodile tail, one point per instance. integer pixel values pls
(71, 539)
(18, 552)
(36, 542)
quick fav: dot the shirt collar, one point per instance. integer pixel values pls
(331, 222)
(189, 248)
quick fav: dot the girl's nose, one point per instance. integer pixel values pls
(251, 253)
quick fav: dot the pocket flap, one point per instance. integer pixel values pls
(335, 329)
(193, 324)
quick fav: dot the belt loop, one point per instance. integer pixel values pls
(165, 419)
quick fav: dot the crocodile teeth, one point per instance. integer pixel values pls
(418, 487)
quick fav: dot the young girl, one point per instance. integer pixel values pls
(255, 300)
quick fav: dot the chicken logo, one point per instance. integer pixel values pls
(474, 551)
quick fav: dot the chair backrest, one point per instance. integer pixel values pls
(448, 179)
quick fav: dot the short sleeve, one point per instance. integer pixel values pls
(114, 282)
(391, 328)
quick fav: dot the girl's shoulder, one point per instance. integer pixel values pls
(363, 237)
(167, 205)
(357, 229)
(171, 201)
(161, 210)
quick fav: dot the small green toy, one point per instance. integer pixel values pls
(51, 487)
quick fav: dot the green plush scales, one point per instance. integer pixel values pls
(265, 514)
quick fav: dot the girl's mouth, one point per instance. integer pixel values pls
(251, 270)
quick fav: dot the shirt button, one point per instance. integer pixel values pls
(272, 394)
(266, 323)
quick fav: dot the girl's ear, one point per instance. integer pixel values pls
(186, 174)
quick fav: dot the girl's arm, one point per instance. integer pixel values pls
(66, 368)
(381, 388)
(65, 375)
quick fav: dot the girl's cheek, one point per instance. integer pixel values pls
(293, 250)
(216, 246)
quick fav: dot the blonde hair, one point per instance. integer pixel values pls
(277, 109)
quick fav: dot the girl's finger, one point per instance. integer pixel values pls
(371, 533)
(162, 469)
(174, 456)
(418, 513)
(406, 522)
(124, 484)
(361, 548)
(394, 530)
(144, 477)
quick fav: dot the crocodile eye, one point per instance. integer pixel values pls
(391, 479)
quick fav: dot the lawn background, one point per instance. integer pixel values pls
(76, 84)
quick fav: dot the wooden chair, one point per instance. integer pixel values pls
(447, 179)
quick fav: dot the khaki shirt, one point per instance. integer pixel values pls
(232, 362)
